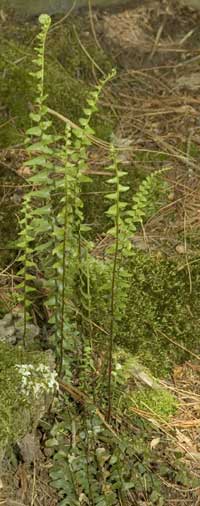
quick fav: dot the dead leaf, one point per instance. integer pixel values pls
(154, 442)
(24, 171)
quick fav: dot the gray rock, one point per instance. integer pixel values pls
(12, 327)
(30, 448)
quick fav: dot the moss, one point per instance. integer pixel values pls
(160, 305)
(160, 402)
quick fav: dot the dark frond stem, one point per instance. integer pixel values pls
(62, 336)
(112, 306)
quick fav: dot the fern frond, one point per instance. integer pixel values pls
(137, 212)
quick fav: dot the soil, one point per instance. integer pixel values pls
(156, 105)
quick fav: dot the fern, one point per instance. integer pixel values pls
(65, 261)
(115, 213)
(29, 223)
(93, 470)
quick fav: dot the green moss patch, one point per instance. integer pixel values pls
(160, 306)
(159, 403)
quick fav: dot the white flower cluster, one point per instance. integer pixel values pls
(36, 380)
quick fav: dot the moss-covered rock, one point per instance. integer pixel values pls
(135, 387)
(26, 380)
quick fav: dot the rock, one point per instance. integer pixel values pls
(130, 368)
(29, 448)
(7, 330)
(140, 373)
(11, 328)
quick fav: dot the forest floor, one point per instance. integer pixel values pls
(156, 46)
(155, 100)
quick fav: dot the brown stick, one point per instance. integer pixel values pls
(82, 398)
